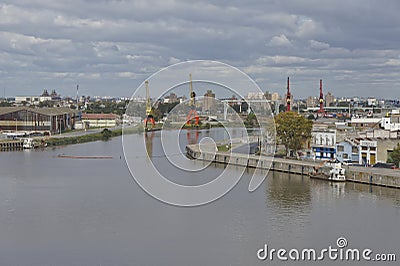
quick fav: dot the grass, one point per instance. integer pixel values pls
(225, 147)
(103, 135)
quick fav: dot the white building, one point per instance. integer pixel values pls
(368, 152)
(323, 144)
(31, 99)
(99, 120)
(365, 122)
(391, 122)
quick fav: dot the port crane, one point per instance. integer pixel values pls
(321, 99)
(192, 112)
(288, 97)
(149, 120)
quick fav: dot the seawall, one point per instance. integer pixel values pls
(365, 175)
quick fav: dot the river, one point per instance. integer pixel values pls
(61, 211)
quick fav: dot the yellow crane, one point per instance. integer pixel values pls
(149, 111)
(192, 113)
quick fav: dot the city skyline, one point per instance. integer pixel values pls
(111, 47)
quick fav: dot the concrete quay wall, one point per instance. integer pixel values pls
(11, 145)
(371, 176)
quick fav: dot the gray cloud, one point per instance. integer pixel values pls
(110, 47)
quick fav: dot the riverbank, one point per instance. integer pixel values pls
(365, 175)
(72, 137)
(104, 135)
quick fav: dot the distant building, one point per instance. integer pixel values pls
(208, 101)
(31, 100)
(311, 101)
(268, 96)
(323, 144)
(28, 119)
(255, 96)
(172, 98)
(275, 96)
(329, 99)
(392, 121)
(99, 120)
(365, 122)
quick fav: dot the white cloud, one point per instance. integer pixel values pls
(280, 40)
(53, 43)
(318, 45)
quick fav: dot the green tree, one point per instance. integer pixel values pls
(394, 156)
(293, 130)
(106, 134)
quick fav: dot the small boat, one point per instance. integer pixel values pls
(330, 172)
(28, 143)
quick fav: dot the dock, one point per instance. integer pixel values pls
(365, 175)
(7, 145)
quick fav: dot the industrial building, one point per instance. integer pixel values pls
(42, 120)
(99, 120)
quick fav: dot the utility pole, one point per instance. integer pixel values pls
(77, 102)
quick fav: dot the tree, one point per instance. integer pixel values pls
(292, 130)
(394, 156)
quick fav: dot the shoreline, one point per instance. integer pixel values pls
(364, 175)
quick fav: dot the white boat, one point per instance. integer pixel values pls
(330, 172)
(28, 143)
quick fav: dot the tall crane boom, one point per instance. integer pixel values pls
(192, 112)
(149, 120)
(148, 102)
(192, 94)
(288, 97)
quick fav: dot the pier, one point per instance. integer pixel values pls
(11, 145)
(365, 175)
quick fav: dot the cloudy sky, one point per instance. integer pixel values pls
(110, 47)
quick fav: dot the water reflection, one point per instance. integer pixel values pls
(148, 138)
(288, 193)
(192, 136)
(379, 193)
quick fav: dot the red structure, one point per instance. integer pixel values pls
(288, 97)
(321, 98)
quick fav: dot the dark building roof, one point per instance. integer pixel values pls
(44, 111)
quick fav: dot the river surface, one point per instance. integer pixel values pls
(59, 211)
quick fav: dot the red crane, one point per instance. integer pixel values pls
(321, 98)
(288, 97)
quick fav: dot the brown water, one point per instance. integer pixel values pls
(57, 211)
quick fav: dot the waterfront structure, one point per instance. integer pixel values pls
(368, 152)
(99, 120)
(323, 144)
(44, 120)
(347, 151)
